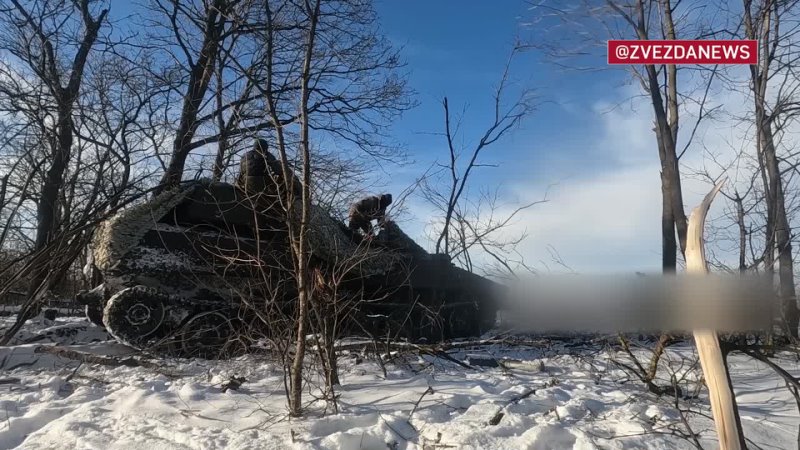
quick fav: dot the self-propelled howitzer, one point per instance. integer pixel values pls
(206, 269)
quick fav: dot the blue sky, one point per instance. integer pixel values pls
(568, 147)
(458, 49)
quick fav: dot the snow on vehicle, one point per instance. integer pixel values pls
(198, 267)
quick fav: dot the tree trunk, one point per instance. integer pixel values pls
(778, 231)
(301, 243)
(783, 243)
(64, 96)
(786, 273)
(742, 233)
(669, 245)
(670, 146)
(673, 217)
(47, 209)
(296, 376)
(199, 79)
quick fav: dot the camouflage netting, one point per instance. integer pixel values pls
(329, 241)
(328, 238)
(402, 241)
(118, 235)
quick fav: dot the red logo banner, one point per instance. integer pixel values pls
(683, 52)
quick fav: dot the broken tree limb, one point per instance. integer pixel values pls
(715, 371)
(445, 346)
(498, 416)
(416, 405)
(90, 358)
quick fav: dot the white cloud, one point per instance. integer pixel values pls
(610, 222)
(597, 223)
(608, 219)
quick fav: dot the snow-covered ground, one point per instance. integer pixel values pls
(546, 395)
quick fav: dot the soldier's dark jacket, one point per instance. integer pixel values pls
(367, 209)
(259, 170)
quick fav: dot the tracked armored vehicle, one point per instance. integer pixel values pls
(205, 269)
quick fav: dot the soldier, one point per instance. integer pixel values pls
(253, 168)
(364, 211)
(259, 171)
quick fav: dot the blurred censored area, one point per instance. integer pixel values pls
(682, 303)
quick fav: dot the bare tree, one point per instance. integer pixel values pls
(49, 42)
(473, 222)
(771, 23)
(345, 89)
(598, 21)
(223, 75)
(299, 241)
(643, 17)
(211, 20)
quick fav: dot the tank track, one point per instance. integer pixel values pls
(151, 321)
(93, 304)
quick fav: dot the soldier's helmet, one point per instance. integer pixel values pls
(386, 200)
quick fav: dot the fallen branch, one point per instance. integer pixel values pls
(90, 358)
(445, 356)
(787, 377)
(416, 405)
(639, 372)
(438, 351)
(448, 345)
(499, 415)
